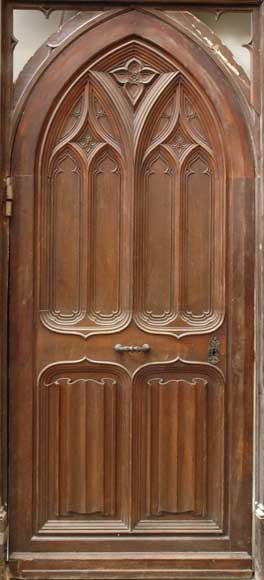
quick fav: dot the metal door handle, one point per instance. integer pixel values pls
(128, 348)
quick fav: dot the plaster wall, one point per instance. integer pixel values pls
(32, 28)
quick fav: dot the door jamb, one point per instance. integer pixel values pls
(259, 328)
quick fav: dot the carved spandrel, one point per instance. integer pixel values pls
(102, 121)
(165, 120)
(72, 120)
(194, 120)
(178, 122)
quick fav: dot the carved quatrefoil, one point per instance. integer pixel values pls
(87, 142)
(134, 77)
(180, 144)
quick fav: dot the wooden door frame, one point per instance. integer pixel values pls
(257, 102)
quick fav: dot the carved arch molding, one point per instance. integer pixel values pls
(165, 135)
(90, 156)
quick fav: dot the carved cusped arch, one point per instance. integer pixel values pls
(180, 201)
(165, 119)
(83, 175)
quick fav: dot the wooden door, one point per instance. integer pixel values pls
(131, 313)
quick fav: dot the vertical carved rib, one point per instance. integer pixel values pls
(147, 446)
(178, 446)
(156, 451)
(110, 443)
(166, 426)
(73, 410)
(197, 242)
(201, 430)
(80, 429)
(95, 452)
(50, 415)
(64, 446)
(187, 447)
(105, 239)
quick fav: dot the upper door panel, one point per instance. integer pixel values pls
(160, 157)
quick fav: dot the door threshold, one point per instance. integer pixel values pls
(130, 565)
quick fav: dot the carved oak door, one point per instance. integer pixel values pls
(131, 408)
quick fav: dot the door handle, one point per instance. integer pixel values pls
(131, 348)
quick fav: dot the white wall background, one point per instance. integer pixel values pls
(32, 28)
(234, 29)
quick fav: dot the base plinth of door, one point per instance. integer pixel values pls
(130, 565)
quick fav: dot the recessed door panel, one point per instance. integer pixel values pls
(82, 454)
(179, 433)
(106, 239)
(159, 239)
(197, 237)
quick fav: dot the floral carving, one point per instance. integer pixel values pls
(134, 77)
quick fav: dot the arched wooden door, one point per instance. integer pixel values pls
(131, 313)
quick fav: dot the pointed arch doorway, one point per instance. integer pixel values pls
(132, 373)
